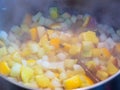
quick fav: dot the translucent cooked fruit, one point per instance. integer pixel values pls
(4, 69)
(31, 62)
(15, 70)
(68, 63)
(42, 81)
(105, 52)
(3, 51)
(16, 57)
(90, 36)
(26, 74)
(111, 68)
(102, 75)
(75, 49)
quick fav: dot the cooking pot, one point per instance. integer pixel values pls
(13, 12)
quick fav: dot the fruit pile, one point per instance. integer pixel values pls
(41, 57)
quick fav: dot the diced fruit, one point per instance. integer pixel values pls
(102, 75)
(26, 52)
(43, 40)
(34, 33)
(75, 49)
(90, 36)
(42, 81)
(111, 68)
(66, 46)
(71, 73)
(55, 42)
(54, 12)
(4, 69)
(96, 52)
(91, 64)
(105, 52)
(3, 51)
(55, 82)
(87, 45)
(72, 83)
(38, 70)
(16, 57)
(68, 63)
(41, 31)
(31, 62)
(15, 70)
(26, 74)
(34, 47)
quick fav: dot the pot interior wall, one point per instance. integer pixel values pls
(105, 11)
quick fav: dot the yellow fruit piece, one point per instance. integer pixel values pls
(25, 52)
(86, 81)
(102, 75)
(71, 73)
(16, 57)
(105, 52)
(68, 63)
(55, 42)
(43, 81)
(4, 69)
(34, 33)
(43, 40)
(66, 46)
(50, 32)
(31, 62)
(73, 82)
(74, 49)
(38, 70)
(111, 68)
(26, 74)
(96, 52)
(91, 64)
(90, 36)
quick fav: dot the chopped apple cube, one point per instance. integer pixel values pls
(90, 36)
(42, 81)
(102, 75)
(15, 70)
(26, 73)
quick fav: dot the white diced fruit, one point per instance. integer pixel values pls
(15, 71)
(50, 74)
(103, 37)
(56, 83)
(63, 76)
(61, 56)
(34, 47)
(110, 43)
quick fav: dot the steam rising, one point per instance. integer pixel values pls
(105, 11)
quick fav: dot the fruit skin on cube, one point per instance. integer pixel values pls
(26, 74)
(4, 69)
(90, 36)
(42, 81)
(77, 81)
(72, 83)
